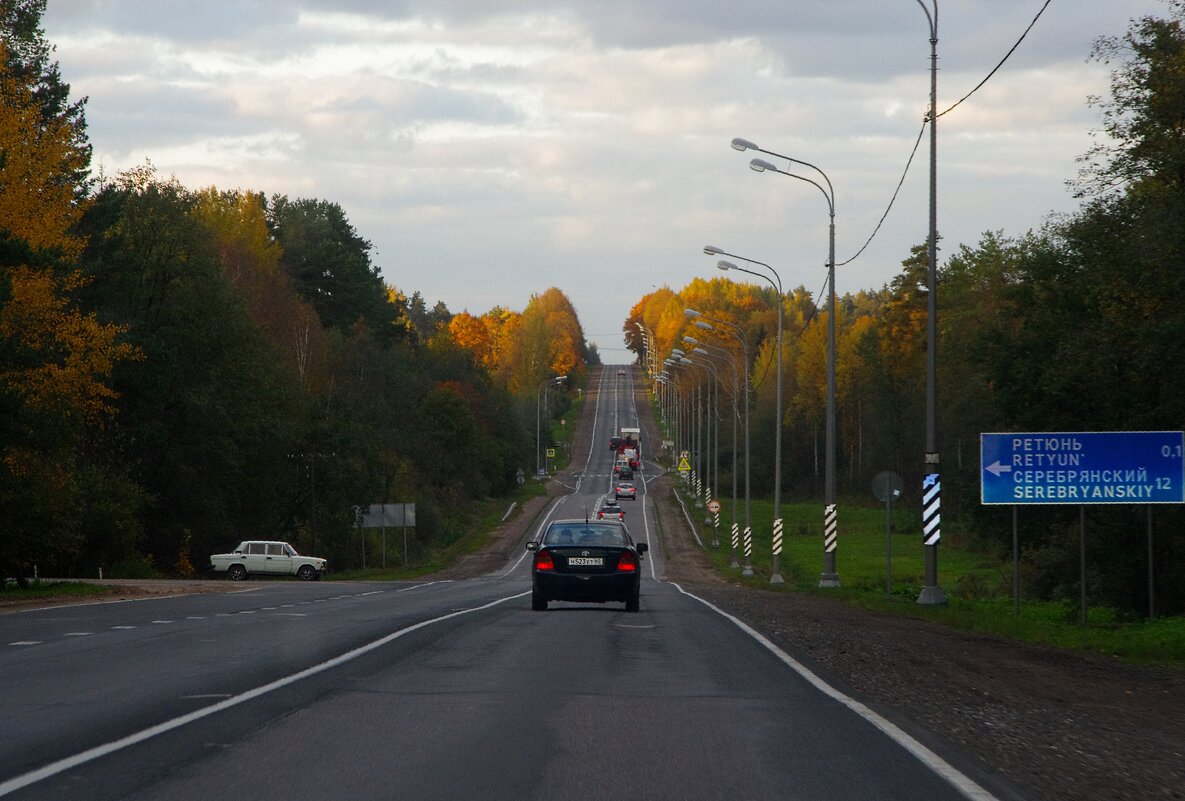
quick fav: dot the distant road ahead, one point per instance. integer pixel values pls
(447, 690)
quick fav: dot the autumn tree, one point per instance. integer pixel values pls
(27, 60)
(55, 358)
(471, 333)
(547, 341)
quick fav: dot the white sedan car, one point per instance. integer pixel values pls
(267, 558)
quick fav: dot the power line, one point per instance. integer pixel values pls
(926, 121)
(1006, 57)
(892, 200)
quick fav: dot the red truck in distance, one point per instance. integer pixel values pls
(628, 448)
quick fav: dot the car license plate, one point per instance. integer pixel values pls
(585, 561)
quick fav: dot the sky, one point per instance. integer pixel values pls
(491, 149)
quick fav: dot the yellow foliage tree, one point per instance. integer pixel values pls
(239, 226)
(36, 203)
(472, 334)
(58, 357)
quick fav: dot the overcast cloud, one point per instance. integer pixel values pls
(493, 148)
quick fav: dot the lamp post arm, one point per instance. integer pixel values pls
(828, 193)
(777, 286)
(931, 19)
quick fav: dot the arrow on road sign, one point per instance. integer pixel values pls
(995, 468)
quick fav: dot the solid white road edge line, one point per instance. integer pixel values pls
(692, 526)
(923, 754)
(54, 768)
(554, 505)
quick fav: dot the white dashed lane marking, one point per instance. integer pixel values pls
(273, 609)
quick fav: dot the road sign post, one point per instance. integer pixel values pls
(887, 487)
(1081, 468)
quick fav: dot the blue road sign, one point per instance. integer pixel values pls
(1098, 467)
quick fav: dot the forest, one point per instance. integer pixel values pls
(182, 368)
(1075, 325)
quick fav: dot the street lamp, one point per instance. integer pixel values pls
(700, 483)
(713, 352)
(704, 322)
(692, 416)
(538, 437)
(776, 539)
(829, 578)
(713, 461)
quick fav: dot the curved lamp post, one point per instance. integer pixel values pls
(830, 577)
(776, 538)
(699, 451)
(538, 438)
(712, 462)
(704, 322)
(697, 478)
(712, 352)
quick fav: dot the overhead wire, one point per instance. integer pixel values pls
(1001, 64)
(926, 121)
(905, 172)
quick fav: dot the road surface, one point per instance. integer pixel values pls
(438, 690)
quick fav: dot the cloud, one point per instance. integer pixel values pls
(492, 148)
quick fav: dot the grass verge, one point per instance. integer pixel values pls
(977, 584)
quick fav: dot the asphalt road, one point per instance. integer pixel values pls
(436, 690)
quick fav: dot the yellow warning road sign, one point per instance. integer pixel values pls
(684, 466)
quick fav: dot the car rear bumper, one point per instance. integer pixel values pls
(587, 586)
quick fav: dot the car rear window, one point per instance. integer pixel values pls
(585, 534)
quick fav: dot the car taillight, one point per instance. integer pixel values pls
(628, 563)
(543, 561)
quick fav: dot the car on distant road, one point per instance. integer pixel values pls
(267, 558)
(610, 511)
(581, 560)
(625, 489)
(621, 372)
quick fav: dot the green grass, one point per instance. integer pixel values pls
(49, 590)
(977, 584)
(560, 435)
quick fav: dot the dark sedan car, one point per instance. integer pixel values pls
(586, 560)
(610, 510)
